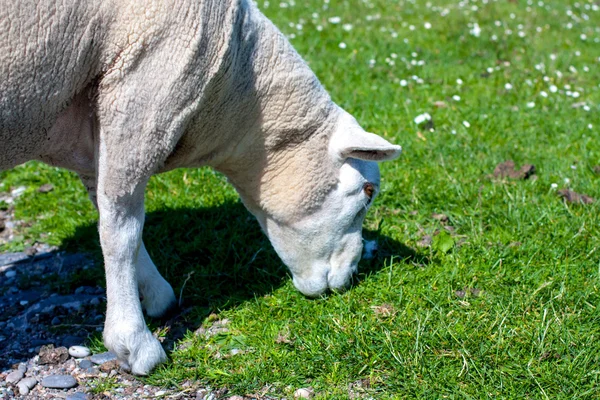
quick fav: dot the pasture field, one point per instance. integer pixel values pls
(483, 286)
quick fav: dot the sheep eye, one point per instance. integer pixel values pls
(369, 189)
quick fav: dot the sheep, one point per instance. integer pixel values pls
(119, 90)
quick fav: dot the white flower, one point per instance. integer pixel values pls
(553, 89)
(403, 82)
(347, 27)
(319, 28)
(335, 20)
(531, 104)
(456, 97)
(476, 30)
(554, 186)
(459, 81)
(466, 124)
(567, 181)
(427, 25)
(419, 119)
(342, 45)
(543, 94)
(508, 86)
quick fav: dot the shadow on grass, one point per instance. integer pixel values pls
(217, 258)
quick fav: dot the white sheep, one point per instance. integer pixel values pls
(118, 90)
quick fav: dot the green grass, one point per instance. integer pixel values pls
(506, 306)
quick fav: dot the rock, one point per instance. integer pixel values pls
(23, 389)
(29, 382)
(109, 366)
(77, 396)
(59, 382)
(25, 385)
(14, 376)
(236, 397)
(18, 191)
(55, 321)
(22, 367)
(103, 358)
(304, 393)
(85, 364)
(79, 351)
(570, 196)
(45, 188)
(50, 355)
(10, 274)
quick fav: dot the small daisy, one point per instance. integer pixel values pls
(419, 119)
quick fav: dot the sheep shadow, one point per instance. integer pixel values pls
(216, 258)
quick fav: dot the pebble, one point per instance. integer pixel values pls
(79, 351)
(59, 382)
(304, 393)
(29, 382)
(77, 396)
(85, 364)
(23, 389)
(103, 358)
(22, 367)
(10, 274)
(25, 385)
(14, 376)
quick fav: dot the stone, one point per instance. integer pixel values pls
(103, 358)
(50, 355)
(304, 393)
(55, 321)
(29, 382)
(77, 396)
(10, 274)
(14, 376)
(79, 351)
(85, 364)
(59, 382)
(23, 389)
(22, 367)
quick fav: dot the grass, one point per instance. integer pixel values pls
(503, 304)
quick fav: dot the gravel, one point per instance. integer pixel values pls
(43, 329)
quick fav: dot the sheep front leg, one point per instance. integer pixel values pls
(121, 223)
(156, 293)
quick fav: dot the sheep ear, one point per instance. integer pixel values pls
(362, 145)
